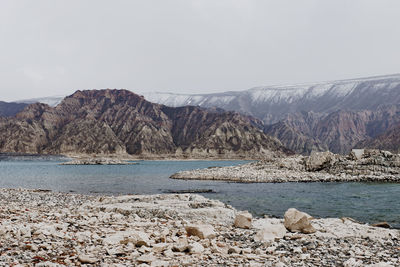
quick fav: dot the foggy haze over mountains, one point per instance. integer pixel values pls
(57, 47)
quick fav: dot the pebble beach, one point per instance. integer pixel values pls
(42, 228)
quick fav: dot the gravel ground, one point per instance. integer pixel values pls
(39, 228)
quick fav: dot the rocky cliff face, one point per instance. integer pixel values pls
(338, 131)
(120, 122)
(389, 140)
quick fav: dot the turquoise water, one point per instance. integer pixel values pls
(367, 202)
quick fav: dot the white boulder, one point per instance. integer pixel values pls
(270, 233)
(202, 231)
(243, 220)
(297, 221)
(196, 248)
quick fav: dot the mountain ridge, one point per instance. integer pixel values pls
(333, 115)
(121, 122)
(272, 103)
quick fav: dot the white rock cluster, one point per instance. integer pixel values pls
(40, 228)
(375, 165)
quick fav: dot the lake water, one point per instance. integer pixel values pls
(367, 202)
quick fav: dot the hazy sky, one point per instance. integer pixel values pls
(54, 47)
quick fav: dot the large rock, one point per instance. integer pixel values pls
(178, 206)
(87, 259)
(181, 245)
(147, 258)
(202, 231)
(270, 233)
(138, 238)
(318, 161)
(196, 248)
(297, 221)
(243, 220)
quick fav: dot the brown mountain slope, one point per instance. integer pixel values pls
(389, 140)
(120, 122)
(338, 131)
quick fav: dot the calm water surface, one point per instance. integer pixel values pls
(367, 202)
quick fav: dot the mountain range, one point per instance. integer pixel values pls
(272, 103)
(335, 116)
(121, 122)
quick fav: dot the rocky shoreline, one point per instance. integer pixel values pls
(39, 228)
(358, 166)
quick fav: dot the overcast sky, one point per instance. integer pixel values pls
(54, 47)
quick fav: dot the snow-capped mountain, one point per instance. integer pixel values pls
(272, 103)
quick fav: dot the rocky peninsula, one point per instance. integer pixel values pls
(358, 166)
(40, 228)
(98, 161)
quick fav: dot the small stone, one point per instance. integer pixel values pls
(160, 247)
(159, 263)
(147, 258)
(381, 225)
(31, 247)
(243, 220)
(87, 259)
(168, 253)
(196, 248)
(233, 250)
(139, 238)
(297, 250)
(115, 251)
(305, 256)
(201, 230)
(246, 250)
(352, 263)
(180, 245)
(270, 249)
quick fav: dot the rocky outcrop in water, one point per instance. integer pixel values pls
(370, 165)
(40, 228)
(121, 122)
(98, 161)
